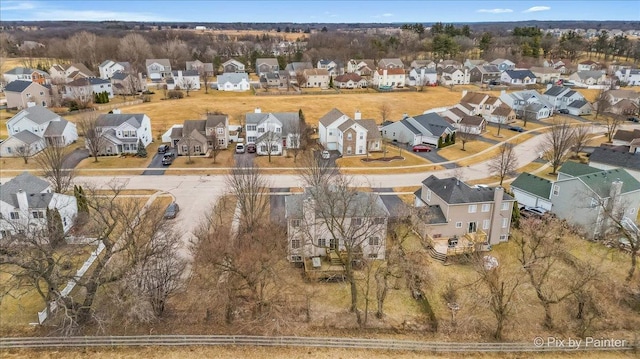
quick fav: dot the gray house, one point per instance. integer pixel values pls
(266, 65)
(427, 128)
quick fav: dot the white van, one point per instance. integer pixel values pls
(239, 148)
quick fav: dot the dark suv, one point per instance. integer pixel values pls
(163, 148)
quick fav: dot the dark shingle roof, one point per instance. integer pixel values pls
(26, 137)
(56, 128)
(555, 91)
(626, 135)
(361, 204)
(24, 181)
(17, 86)
(454, 191)
(434, 123)
(520, 74)
(533, 184)
(615, 158)
(372, 128)
(577, 104)
(331, 116)
(115, 120)
(575, 169)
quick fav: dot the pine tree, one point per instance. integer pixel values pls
(142, 152)
(55, 229)
(330, 81)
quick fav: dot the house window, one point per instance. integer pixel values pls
(251, 139)
(505, 222)
(458, 224)
(197, 148)
(263, 148)
(37, 214)
(378, 220)
(349, 150)
(295, 243)
(349, 136)
(274, 148)
(333, 243)
(473, 227)
(220, 131)
(473, 208)
(504, 237)
(14, 215)
(505, 206)
(322, 242)
(485, 224)
(295, 223)
(261, 130)
(278, 130)
(134, 147)
(221, 141)
(556, 190)
(361, 136)
(356, 221)
(373, 255)
(185, 148)
(374, 241)
(251, 127)
(486, 207)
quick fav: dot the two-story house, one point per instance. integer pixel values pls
(503, 64)
(24, 203)
(121, 133)
(364, 68)
(545, 75)
(422, 76)
(588, 65)
(629, 76)
(84, 89)
(273, 132)
(36, 127)
(198, 137)
(316, 78)
(233, 81)
(623, 102)
(184, 80)
(315, 229)
(350, 80)
(429, 128)
(266, 65)
(348, 136)
(528, 103)
(589, 78)
(27, 74)
(565, 98)
(109, 67)
(389, 78)
(518, 77)
(69, 72)
(390, 63)
(158, 69)
(454, 76)
(204, 68)
(334, 67)
(484, 74)
(454, 209)
(232, 65)
(21, 93)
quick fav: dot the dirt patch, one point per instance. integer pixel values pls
(383, 159)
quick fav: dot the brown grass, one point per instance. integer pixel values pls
(455, 152)
(410, 159)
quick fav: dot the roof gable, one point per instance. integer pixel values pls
(533, 184)
(453, 191)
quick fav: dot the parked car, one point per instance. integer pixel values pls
(169, 154)
(171, 211)
(527, 211)
(564, 111)
(421, 148)
(251, 148)
(326, 155)
(633, 119)
(516, 128)
(167, 160)
(163, 148)
(240, 148)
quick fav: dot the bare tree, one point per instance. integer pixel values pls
(94, 137)
(466, 134)
(296, 140)
(556, 144)
(552, 270)
(136, 49)
(505, 163)
(248, 186)
(188, 85)
(204, 77)
(612, 122)
(301, 79)
(51, 162)
(215, 147)
(385, 112)
(26, 151)
(270, 143)
(602, 103)
(581, 137)
(528, 113)
(83, 47)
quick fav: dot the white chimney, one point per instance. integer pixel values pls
(357, 115)
(115, 111)
(23, 203)
(405, 115)
(31, 104)
(464, 93)
(258, 110)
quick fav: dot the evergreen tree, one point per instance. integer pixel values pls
(55, 230)
(330, 81)
(453, 138)
(83, 206)
(142, 152)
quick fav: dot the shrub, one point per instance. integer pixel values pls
(146, 98)
(175, 94)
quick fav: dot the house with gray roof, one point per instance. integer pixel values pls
(184, 80)
(503, 64)
(589, 78)
(349, 136)
(27, 74)
(562, 97)
(266, 65)
(122, 133)
(233, 81)
(69, 72)
(605, 158)
(295, 67)
(309, 223)
(482, 213)
(158, 69)
(205, 68)
(36, 128)
(333, 67)
(273, 132)
(629, 76)
(428, 128)
(21, 93)
(528, 103)
(390, 63)
(24, 201)
(518, 77)
(84, 89)
(199, 137)
(484, 73)
(109, 67)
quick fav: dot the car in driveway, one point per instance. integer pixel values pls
(251, 148)
(516, 128)
(240, 148)
(421, 148)
(167, 160)
(563, 111)
(326, 155)
(163, 148)
(527, 211)
(633, 119)
(171, 211)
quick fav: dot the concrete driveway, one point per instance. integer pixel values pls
(432, 156)
(156, 162)
(73, 158)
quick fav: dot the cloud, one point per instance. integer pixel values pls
(495, 11)
(93, 15)
(16, 5)
(537, 8)
(387, 15)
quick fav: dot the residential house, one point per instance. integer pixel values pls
(390, 63)
(363, 68)
(472, 124)
(470, 64)
(272, 132)
(484, 74)
(198, 137)
(121, 133)
(565, 98)
(623, 102)
(503, 64)
(185, 79)
(629, 76)
(546, 75)
(528, 103)
(69, 72)
(294, 68)
(232, 65)
(564, 66)
(233, 81)
(309, 235)
(36, 127)
(108, 68)
(125, 83)
(606, 159)
(625, 137)
(266, 65)
(588, 65)
(422, 76)
(158, 69)
(20, 93)
(589, 78)
(83, 89)
(24, 201)
(335, 68)
(456, 209)
(316, 78)
(348, 136)
(274, 80)
(27, 74)
(489, 107)
(618, 66)
(443, 64)
(389, 78)
(453, 76)
(518, 77)
(416, 64)
(349, 80)
(532, 191)
(428, 128)
(205, 68)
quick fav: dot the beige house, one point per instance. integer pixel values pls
(20, 93)
(198, 137)
(317, 78)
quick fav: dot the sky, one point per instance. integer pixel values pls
(310, 11)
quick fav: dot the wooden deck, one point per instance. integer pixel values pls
(467, 244)
(330, 268)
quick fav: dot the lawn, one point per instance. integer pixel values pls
(410, 159)
(455, 152)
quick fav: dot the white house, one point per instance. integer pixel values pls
(233, 81)
(185, 79)
(108, 68)
(272, 132)
(158, 69)
(565, 98)
(83, 89)
(389, 78)
(454, 76)
(350, 80)
(629, 76)
(24, 201)
(316, 78)
(36, 127)
(528, 103)
(422, 76)
(518, 77)
(122, 132)
(588, 65)
(69, 72)
(428, 128)
(26, 74)
(348, 136)
(589, 78)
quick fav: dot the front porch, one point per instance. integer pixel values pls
(444, 248)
